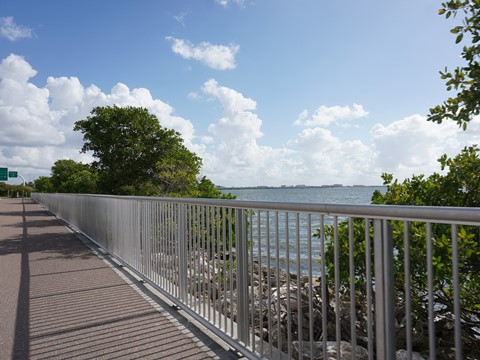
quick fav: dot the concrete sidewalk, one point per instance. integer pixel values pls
(59, 300)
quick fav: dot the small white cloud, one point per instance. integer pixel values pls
(193, 96)
(180, 18)
(225, 3)
(218, 57)
(325, 115)
(12, 31)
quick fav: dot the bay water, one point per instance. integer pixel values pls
(290, 239)
(357, 195)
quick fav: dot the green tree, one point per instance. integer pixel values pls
(458, 186)
(464, 80)
(4, 187)
(44, 184)
(69, 176)
(207, 189)
(135, 155)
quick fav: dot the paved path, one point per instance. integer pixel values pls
(59, 300)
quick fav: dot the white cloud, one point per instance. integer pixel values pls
(15, 68)
(218, 57)
(25, 117)
(193, 95)
(233, 102)
(317, 155)
(12, 31)
(225, 3)
(180, 18)
(36, 129)
(325, 116)
(236, 156)
(36, 122)
(412, 145)
(330, 160)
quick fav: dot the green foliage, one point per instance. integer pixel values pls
(4, 188)
(135, 155)
(459, 186)
(465, 80)
(206, 189)
(44, 184)
(12, 190)
(69, 176)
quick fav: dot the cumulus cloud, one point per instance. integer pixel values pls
(36, 122)
(218, 57)
(237, 157)
(412, 145)
(36, 130)
(328, 159)
(25, 117)
(325, 115)
(11, 31)
(317, 155)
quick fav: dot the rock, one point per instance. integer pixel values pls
(403, 355)
(345, 350)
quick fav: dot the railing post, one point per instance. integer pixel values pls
(384, 290)
(241, 244)
(182, 252)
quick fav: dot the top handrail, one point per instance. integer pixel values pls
(440, 214)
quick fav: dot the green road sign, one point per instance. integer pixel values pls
(3, 174)
(13, 174)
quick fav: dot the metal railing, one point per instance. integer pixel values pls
(285, 280)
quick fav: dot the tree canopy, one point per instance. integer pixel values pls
(134, 155)
(69, 176)
(464, 80)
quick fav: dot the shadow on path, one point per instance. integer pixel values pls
(22, 340)
(71, 304)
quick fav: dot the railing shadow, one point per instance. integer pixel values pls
(72, 305)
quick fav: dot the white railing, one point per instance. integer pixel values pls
(285, 280)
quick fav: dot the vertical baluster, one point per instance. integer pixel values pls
(338, 332)
(269, 286)
(353, 317)
(456, 295)
(299, 284)
(325, 301)
(368, 274)
(310, 284)
(260, 284)
(431, 309)
(408, 297)
(289, 309)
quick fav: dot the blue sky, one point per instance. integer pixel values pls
(267, 92)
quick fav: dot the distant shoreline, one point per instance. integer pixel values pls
(292, 187)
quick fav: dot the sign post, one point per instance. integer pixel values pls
(13, 174)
